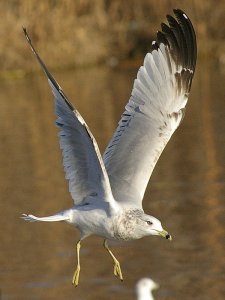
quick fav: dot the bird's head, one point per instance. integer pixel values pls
(151, 226)
(135, 224)
(144, 287)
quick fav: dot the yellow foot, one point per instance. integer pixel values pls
(117, 270)
(76, 274)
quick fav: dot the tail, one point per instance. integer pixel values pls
(54, 218)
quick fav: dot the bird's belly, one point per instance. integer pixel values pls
(93, 222)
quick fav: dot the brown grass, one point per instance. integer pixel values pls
(82, 32)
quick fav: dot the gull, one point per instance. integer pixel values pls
(144, 288)
(108, 190)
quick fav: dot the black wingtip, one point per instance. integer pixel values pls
(31, 45)
(155, 45)
(180, 11)
(181, 14)
(181, 39)
(48, 74)
(26, 34)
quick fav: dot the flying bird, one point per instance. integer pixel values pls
(108, 190)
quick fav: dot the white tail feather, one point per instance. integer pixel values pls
(54, 218)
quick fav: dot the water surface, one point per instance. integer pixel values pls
(186, 192)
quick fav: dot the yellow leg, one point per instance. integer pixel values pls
(76, 274)
(117, 269)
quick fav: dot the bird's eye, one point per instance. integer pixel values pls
(149, 223)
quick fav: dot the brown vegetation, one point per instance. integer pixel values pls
(83, 32)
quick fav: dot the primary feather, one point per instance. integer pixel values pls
(154, 111)
(83, 164)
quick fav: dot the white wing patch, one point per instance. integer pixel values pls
(82, 160)
(154, 111)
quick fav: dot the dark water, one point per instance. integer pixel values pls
(186, 192)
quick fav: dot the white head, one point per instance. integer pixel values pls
(135, 224)
(144, 289)
(149, 225)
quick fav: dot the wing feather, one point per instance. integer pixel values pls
(83, 164)
(154, 111)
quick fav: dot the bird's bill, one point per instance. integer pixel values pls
(165, 234)
(156, 286)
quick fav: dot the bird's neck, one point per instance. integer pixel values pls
(125, 223)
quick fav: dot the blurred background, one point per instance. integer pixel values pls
(94, 49)
(83, 32)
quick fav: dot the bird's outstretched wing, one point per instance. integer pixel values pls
(82, 160)
(154, 111)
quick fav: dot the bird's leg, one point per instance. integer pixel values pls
(76, 274)
(117, 269)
